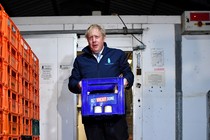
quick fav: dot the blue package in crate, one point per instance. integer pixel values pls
(103, 96)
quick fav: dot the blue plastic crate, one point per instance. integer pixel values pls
(103, 96)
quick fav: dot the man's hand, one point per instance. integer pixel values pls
(79, 85)
(125, 82)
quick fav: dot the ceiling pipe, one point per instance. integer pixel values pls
(82, 32)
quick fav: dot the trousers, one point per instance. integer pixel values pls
(116, 129)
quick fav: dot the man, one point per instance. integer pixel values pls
(111, 63)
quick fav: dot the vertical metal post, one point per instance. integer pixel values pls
(208, 115)
(178, 63)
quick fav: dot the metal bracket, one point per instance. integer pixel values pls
(139, 47)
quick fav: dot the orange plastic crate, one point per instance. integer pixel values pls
(26, 126)
(24, 49)
(14, 102)
(34, 92)
(25, 89)
(3, 72)
(35, 138)
(1, 97)
(36, 98)
(3, 137)
(20, 46)
(20, 65)
(4, 123)
(26, 105)
(4, 103)
(20, 105)
(13, 79)
(14, 123)
(34, 78)
(3, 48)
(13, 33)
(36, 112)
(3, 21)
(8, 29)
(34, 62)
(9, 137)
(20, 85)
(13, 56)
(25, 70)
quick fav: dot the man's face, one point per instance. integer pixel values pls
(95, 40)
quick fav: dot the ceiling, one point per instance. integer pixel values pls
(24, 8)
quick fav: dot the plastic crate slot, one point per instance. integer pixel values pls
(14, 103)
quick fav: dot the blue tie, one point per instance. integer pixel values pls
(98, 57)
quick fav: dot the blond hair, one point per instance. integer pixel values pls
(100, 28)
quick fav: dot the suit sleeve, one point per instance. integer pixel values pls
(74, 78)
(126, 70)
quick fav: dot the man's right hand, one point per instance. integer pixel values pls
(79, 85)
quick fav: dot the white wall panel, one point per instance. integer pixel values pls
(157, 93)
(67, 118)
(46, 51)
(57, 105)
(196, 84)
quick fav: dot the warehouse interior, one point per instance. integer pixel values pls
(41, 21)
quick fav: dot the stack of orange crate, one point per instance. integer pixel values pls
(19, 84)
